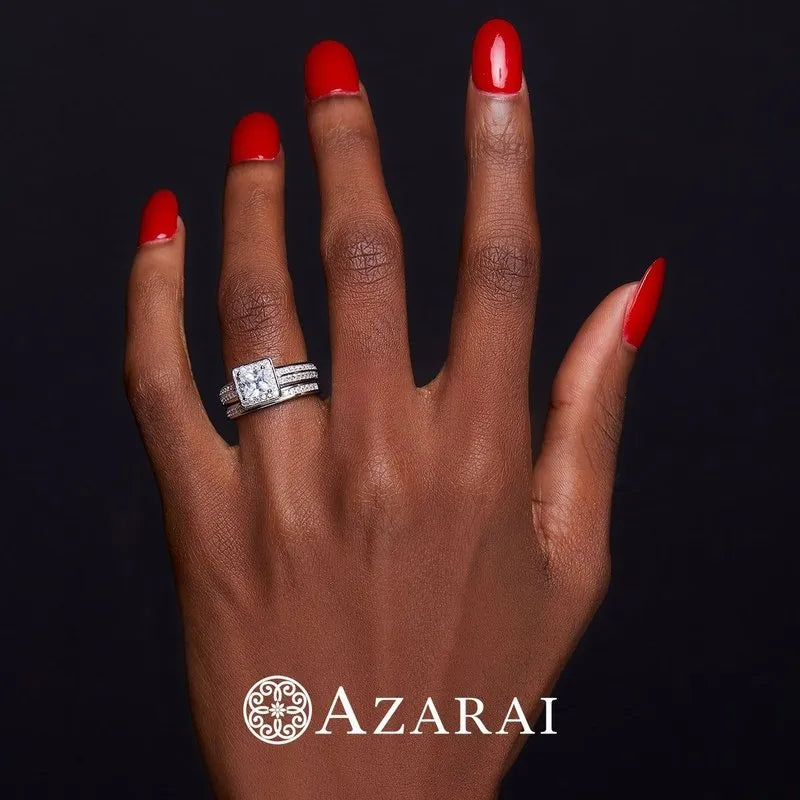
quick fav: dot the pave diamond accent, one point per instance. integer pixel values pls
(288, 369)
(298, 377)
(228, 394)
(256, 383)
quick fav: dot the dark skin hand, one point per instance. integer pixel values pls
(395, 540)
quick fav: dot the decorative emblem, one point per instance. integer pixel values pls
(277, 709)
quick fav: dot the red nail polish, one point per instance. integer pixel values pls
(497, 58)
(159, 217)
(644, 304)
(255, 138)
(330, 69)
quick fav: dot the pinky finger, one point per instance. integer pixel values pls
(158, 376)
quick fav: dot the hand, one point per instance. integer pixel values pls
(396, 541)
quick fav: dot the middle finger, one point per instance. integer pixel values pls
(360, 238)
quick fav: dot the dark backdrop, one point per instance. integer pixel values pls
(662, 128)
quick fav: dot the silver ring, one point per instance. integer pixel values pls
(261, 384)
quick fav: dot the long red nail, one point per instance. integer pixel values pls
(255, 138)
(159, 217)
(497, 58)
(644, 304)
(330, 69)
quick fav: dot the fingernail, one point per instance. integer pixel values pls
(330, 69)
(644, 304)
(159, 217)
(497, 58)
(255, 138)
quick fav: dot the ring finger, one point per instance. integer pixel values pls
(256, 300)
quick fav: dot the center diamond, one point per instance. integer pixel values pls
(256, 383)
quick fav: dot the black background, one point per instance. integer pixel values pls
(662, 129)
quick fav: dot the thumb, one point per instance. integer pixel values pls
(574, 475)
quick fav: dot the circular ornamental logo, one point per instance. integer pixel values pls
(277, 709)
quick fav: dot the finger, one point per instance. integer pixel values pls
(573, 477)
(256, 300)
(360, 238)
(174, 425)
(498, 277)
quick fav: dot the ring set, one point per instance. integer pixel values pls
(261, 384)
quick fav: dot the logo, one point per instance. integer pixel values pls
(277, 709)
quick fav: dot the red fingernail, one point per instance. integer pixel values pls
(159, 217)
(255, 138)
(330, 69)
(644, 304)
(497, 58)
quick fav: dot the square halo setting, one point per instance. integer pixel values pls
(256, 383)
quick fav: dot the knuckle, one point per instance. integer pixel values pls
(378, 485)
(255, 311)
(564, 395)
(363, 252)
(298, 521)
(556, 518)
(480, 470)
(501, 142)
(259, 198)
(607, 428)
(151, 292)
(247, 232)
(343, 140)
(504, 266)
(599, 436)
(152, 389)
(573, 539)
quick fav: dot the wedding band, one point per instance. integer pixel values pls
(290, 392)
(261, 384)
